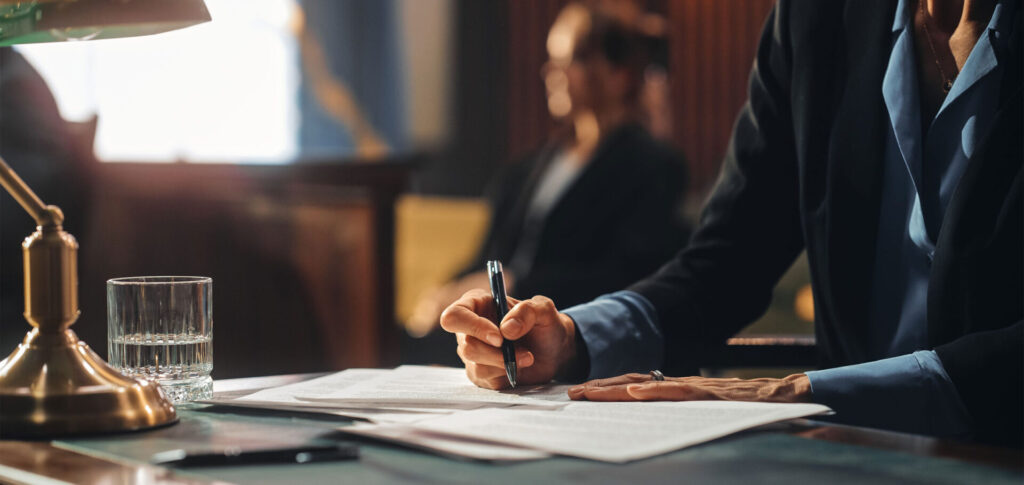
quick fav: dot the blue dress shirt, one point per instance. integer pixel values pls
(904, 387)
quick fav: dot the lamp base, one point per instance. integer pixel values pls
(54, 385)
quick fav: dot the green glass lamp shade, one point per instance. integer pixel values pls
(33, 21)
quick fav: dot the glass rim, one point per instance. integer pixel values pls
(159, 280)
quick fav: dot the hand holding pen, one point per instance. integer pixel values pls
(544, 338)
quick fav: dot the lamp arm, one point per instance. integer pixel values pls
(45, 215)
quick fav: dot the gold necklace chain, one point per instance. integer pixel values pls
(947, 82)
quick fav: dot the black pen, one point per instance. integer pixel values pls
(508, 348)
(234, 455)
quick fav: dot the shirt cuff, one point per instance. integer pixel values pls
(620, 332)
(910, 393)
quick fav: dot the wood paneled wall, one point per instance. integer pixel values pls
(711, 47)
(528, 120)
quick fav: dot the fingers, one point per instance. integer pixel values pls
(468, 316)
(610, 393)
(669, 391)
(471, 349)
(487, 377)
(610, 389)
(527, 314)
(623, 379)
(484, 371)
(646, 391)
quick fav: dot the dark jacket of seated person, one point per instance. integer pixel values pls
(913, 231)
(903, 182)
(615, 222)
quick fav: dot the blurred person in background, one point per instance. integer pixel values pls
(599, 206)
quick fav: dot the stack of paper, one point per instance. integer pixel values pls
(440, 410)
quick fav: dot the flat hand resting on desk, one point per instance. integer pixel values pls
(545, 339)
(640, 387)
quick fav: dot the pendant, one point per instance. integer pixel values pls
(946, 86)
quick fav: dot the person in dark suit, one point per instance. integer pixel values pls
(597, 208)
(882, 136)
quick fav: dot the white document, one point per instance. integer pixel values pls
(291, 393)
(439, 409)
(443, 386)
(615, 432)
(445, 445)
(328, 408)
(381, 415)
(290, 398)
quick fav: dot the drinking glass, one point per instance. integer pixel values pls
(161, 328)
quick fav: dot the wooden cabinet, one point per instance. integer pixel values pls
(302, 256)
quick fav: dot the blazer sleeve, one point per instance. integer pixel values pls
(749, 231)
(987, 369)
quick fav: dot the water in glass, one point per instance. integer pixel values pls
(161, 328)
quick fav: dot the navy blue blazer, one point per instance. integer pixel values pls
(803, 171)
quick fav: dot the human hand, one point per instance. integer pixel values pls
(640, 387)
(433, 301)
(545, 339)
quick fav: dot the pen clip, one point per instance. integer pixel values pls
(496, 278)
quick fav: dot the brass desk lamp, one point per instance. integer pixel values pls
(53, 384)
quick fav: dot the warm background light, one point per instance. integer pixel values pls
(222, 91)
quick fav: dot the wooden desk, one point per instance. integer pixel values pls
(805, 451)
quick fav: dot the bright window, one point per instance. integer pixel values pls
(223, 91)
